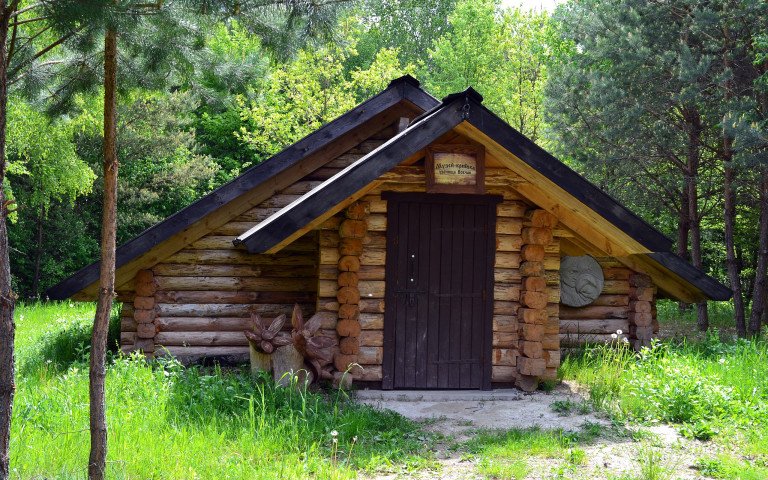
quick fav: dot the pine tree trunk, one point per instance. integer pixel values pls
(98, 456)
(734, 271)
(761, 282)
(693, 158)
(683, 231)
(7, 297)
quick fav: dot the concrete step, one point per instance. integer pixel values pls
(439, 395)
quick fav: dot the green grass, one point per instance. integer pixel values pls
(712, 390)
(167, 421)
(509, 454)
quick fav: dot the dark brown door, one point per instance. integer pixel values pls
(439, 290)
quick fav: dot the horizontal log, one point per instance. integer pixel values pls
(375, 240)
(191, 270)
(227, 310)
(371, 272)
(551, 263)
(616, 287)
(507, 275)
(127, 325)
(237, 283)
(505, 308)
(369, 373)
(372, 305)
(509, 292)
(371, 288)
(203, 324)
(127, 338)
(591, 311)
(376, 204)
(505, 323)
(213, 296)
(587, 326)
(201, 339)
(328, 272)
(329, 255)
(506, 192)
(192, 354)
(503, 373)
(327, 288)
(505, 356)
(331, 223)
(241, 257)
(371, 338)
(505, 339)
(576, 340)
(370, 355)
(328, 238)
(377, 222)
(343, 161)
(508, 243)
(509, 226)
(612, 300)
(373, 256)
(372, 321)
(507, 260)
(511, 209)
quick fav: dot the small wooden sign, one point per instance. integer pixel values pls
(455, 169)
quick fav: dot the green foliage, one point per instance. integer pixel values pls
(43, 151)
(709, 388)
(309, 92)
(501, 54)
(190, 422)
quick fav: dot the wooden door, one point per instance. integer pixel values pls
(439, 290)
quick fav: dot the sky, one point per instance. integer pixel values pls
(531, 4)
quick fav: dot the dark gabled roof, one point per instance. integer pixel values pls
(404, 88)
(456, 108)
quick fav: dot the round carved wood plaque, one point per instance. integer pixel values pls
(581, 280)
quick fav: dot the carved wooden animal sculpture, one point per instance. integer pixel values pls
(265, 340)
(317, 350)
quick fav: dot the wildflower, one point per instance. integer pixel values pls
(625, 340)
(334, 433)
(619, 332)
(613, 335)
(722, 360)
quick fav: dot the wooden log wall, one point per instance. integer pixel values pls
(206, 292)
(533, 314)
(627, 297)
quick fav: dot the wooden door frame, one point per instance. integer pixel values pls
(387, 382)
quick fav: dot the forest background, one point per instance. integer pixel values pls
(662, 104)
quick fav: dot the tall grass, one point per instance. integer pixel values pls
(711, 389)
(168, 421)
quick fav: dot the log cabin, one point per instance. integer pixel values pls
(441, 248)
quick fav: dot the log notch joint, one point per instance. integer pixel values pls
(144, 312)
(352, 230)
(643, 324)
(533, 315)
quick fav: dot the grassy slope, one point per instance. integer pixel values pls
(166, 421)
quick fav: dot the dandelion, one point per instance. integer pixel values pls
(625, 340)
(722, 360)
(619, 332)
(614, 336)
(334, 433)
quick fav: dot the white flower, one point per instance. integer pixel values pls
(613, 335)
(625, 340)
(334, 433)
(619, 332)
(722, 361)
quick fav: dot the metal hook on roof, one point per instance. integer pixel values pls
(465, 108)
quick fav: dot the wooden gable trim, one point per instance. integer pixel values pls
(252, 187)
(349, 184)
(543, 166)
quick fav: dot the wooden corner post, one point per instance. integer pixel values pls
(532, 315)
(144, 312)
